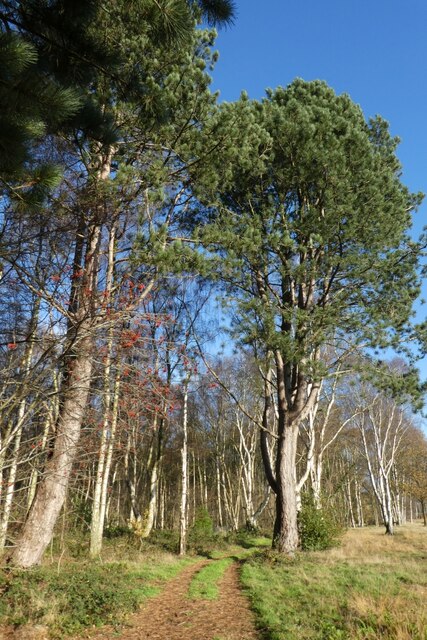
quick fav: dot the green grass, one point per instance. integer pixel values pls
(81, 594)
(239, 547)
(373, 587)
(204, 585)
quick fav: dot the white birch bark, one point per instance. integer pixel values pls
(384, 423)
(13, 462)
(97, 524)
(183, 524)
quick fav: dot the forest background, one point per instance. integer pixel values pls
(114, 415)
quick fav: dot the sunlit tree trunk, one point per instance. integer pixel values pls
(83, 309)
(104, 465)
(293, 408)
(20, 421)
(48, 428)
(154, 476)
(385, 425)
(360, 518)
(183, 523)
(97, 523)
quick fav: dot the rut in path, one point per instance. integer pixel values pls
(172, 616)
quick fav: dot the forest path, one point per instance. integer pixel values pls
(171, 615)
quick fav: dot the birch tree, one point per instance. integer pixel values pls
(382, 426)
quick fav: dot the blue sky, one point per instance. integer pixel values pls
(376, 51)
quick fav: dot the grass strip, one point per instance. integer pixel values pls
(204, 584)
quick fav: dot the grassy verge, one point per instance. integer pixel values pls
(83, 594)
(204, 585)
(372, 587)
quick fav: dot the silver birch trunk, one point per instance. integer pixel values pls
(49, 424)
(97, 524)
(360, 518)
(218, 493)
(21, 416)
(193, 457)
(386, 426)
(350, 503)
(183, 525)
(131, 479)
(110, 450)
(154, 481)
(103, 472)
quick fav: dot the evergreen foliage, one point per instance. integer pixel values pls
(318, 528)
(312, 223)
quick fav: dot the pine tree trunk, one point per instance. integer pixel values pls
(82, 319)
(285, 538)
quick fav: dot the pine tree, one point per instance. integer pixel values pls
(307, 227)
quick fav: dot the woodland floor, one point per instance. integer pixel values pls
(172, 615)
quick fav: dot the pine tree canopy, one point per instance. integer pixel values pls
(308, 223)
(68, 63)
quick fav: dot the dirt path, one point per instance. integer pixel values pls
(172, 616)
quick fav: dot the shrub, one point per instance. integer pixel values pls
(203, 525)
(166, 539)
(201, 536)
(317, 527)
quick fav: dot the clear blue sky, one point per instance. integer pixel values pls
(376, 51)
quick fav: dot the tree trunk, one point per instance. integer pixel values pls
(285, 537)
(184, 475)
(154, 480)
(360, 519)
(38, 529)
(102, 472)
(25, 371)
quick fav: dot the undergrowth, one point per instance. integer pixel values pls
(81, 594)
